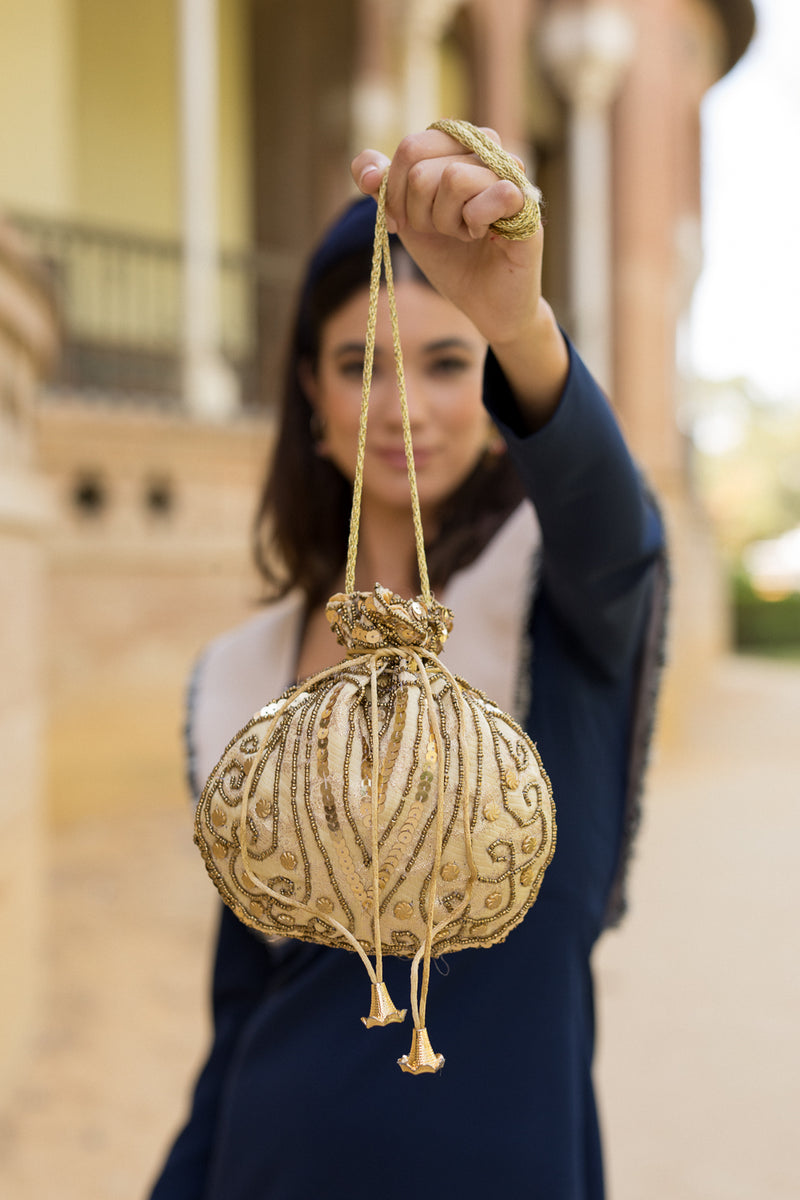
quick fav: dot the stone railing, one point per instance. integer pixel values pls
(121, 299)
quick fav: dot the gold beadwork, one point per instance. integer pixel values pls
(395, 741)
(329, 806)
(409, 826)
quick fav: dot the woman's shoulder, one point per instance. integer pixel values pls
(236, 674)
(234, 648)
(491, 601)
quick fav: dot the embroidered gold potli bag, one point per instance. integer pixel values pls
(383, 806)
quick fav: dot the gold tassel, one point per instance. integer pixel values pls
(421, 1059)
(381, 1010)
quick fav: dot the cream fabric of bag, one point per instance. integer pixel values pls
(385, 805)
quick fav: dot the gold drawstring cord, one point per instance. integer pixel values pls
(519, 227)
(522, 225)
(421, 1058)
(381, 252)
(381, 1010)
(375, 751)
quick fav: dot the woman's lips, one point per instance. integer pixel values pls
(395, 457)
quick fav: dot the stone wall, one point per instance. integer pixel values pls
(149, 557)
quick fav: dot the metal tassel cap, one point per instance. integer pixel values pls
(421, 1059)
(381, 1010)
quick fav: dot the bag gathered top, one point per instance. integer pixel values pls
(384, 806)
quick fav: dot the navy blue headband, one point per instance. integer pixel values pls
(354, 230)
(351, 234)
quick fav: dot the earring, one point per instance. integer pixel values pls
(495, 446)
(318, 430)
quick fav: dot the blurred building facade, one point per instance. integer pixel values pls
(168, 165)
(27, 343)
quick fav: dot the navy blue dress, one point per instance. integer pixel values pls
(297, 1101)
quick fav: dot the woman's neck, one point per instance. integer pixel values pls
(386, 555)
(386, 552)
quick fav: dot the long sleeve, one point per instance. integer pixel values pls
(601, 533)
(596, 630)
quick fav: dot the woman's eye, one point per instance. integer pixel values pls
(352, 368)
(449, 365)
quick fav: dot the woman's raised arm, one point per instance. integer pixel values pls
(441, 201)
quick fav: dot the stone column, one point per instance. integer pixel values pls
(374, 112)
(209, 384)
(27, 342)
(425, 22)
(586, 49)
(502, 29)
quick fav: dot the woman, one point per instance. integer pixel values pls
(554, 617)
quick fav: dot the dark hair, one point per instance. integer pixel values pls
(303, 519)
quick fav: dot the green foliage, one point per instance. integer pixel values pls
(760, 624)
(750, 484)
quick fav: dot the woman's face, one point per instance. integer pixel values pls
(443, 355)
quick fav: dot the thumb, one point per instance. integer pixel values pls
(368, 169)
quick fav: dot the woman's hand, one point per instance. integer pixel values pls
(441, 201)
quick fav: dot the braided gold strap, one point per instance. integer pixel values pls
(521, 226)
(381, 256)
(527, 221)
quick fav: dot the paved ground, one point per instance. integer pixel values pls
(700, 990)
(698, 994)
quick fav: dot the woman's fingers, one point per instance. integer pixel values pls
(410, 170)
(436, 186)
(368, 169)
(458, 197)
(464, 206)
(500, 199)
